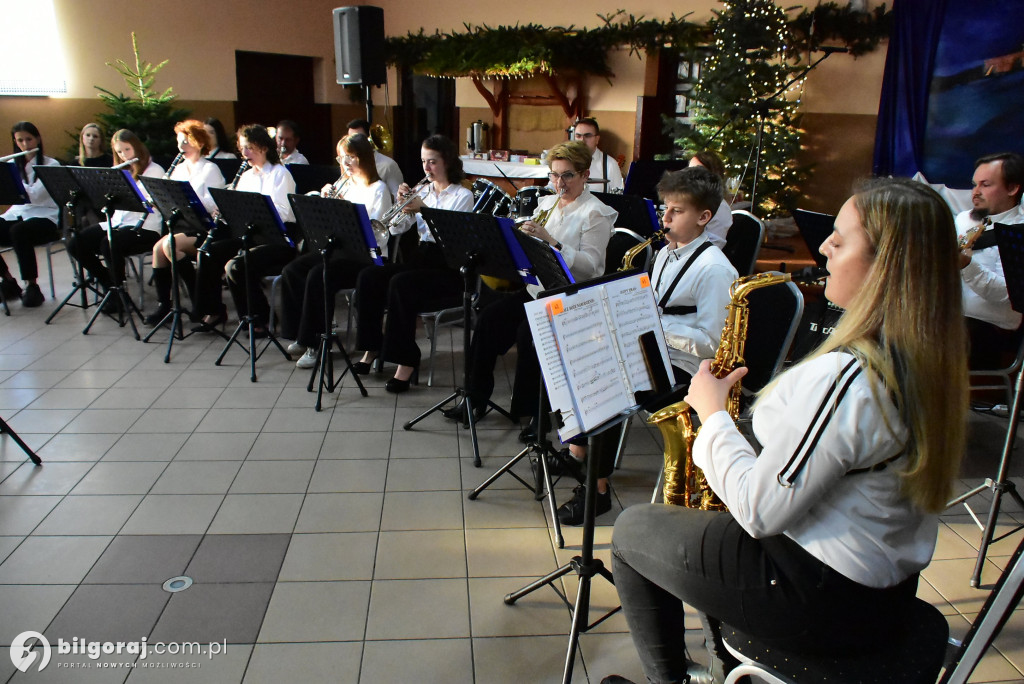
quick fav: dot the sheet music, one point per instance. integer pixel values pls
(588, 354)
(634, 311)
(555, 381)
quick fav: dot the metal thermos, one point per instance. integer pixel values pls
(476, 137)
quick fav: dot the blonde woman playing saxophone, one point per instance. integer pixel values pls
(825, 535)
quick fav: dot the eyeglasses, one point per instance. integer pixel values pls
(585, 136)
(566, 177)
(346, 159)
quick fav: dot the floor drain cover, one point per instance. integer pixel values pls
(176, 584)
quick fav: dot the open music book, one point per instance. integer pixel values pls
(587, 341)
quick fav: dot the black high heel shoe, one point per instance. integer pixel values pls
(161, 312)
(396, 386)
(363, 367)
(217, 321)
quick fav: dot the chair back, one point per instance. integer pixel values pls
(743, 243)
(622, 240)
(775, 314)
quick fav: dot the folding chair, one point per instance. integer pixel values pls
(743, 243)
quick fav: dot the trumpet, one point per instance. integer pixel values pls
(18, 154)
(126, 163)
(543, 216)
(390, 217)
(174, 165)
(338, 189)
(967, 239)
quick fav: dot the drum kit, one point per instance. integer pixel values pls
(490, 199)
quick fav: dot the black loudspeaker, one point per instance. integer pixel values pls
(359, 45)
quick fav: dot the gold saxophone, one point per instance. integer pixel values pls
(633, 252)
(685, 484)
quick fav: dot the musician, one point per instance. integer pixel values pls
(90, 147)
(991, 322)
(830, 525)
(220, 143)
(602, 167)
(718, 228)
(134, 232)
(302, 280)
(24, 226)
(268, 176)
(691, 280)
(422, 282)
(578, 225)
(288, 138)
(387, 168)
(202, 174)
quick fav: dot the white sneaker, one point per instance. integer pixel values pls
(309, 359)
(294, 349)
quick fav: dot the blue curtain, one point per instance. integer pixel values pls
(903, 110)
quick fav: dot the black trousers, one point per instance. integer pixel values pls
(665, 556)
(24, 237)
(89, 246)
(497, 327)
(209, 272)
(263, 260)
(422, 284)
(302, 294)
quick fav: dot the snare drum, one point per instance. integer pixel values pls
(490, 199)
(528, 198)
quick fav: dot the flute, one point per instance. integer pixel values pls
(18, 154)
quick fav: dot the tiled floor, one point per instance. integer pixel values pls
(324, 547)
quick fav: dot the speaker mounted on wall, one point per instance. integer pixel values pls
(359, 45)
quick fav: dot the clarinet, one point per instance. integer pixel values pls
(210, 237)
(174, 165)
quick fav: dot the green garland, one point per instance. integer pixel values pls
(527, 50)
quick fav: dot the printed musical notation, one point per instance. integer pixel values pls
(589, 350)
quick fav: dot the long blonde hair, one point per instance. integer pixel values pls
(907, 328)
(81, 145)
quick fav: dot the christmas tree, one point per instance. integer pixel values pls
(742, 80)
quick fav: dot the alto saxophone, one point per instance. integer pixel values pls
(685, 484)
(636, 250)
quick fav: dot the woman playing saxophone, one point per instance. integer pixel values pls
(829, 526)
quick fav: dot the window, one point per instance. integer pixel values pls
(32, 56)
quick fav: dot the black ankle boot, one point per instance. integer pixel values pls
(162, 283)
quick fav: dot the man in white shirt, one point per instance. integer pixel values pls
(602, 167)
(997, 184)
(387, 168)
(287, 139)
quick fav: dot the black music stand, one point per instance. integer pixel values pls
(1010, 240)
(585, 565)
(474, 244)
(312, 177)
(250, 216)
(177, 202)
(814, 228)
(12, 191)
(635, 213)
(643, 176)
(330, 224)
(548, 266)
(228, 167)
(110, 190)
(62, 186)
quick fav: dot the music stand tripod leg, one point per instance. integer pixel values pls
(1001, 485)
(6, 429)
(117, 292)
(174, 315)
(586, 567)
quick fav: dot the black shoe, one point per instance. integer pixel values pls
(458, 412)
(217, 321)
(32, 296)
(571, 512)
(563, 463)
(616, 679)
(362, 367)
(11, 289)
(528, 434)
(158, 315)
(396, 386)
